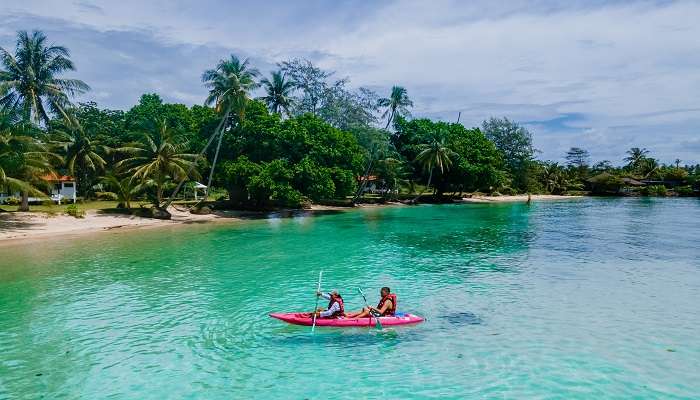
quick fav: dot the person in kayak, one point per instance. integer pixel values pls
(335, 307)
(385, 308)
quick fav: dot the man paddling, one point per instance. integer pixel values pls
(385, 308)
(335, 307)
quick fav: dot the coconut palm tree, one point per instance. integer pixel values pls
(635, 157)
(125, 188)
(279, 93)
(554, 178)
(24, 161)
(396, 104)
(30, 83)
(229, 87)
(434, 154)
(157, 159)
(82, 154)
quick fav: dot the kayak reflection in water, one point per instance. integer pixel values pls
(335, 307)
(385, 308)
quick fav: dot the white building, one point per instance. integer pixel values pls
(63, 188)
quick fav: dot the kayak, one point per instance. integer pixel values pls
(305, 319)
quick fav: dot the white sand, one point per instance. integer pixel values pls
(16, 227)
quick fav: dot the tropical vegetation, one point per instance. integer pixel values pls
(298, 136)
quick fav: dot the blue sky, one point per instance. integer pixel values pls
(605, 76)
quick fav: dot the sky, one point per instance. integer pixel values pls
(601, 75)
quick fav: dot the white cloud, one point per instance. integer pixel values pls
(624, 71)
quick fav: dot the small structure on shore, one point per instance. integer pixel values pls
(62, 188)
(196, 187)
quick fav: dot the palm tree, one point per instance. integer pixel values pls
(635, 157)
(396, 104)
(279, 93)
(24, 161)
(157, 159)
(30, 79)
(554, 177)
(434, 154)
(678, 163)
(229, 86)
(82, 153)
(126, 188)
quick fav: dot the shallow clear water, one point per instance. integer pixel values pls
(588, 298)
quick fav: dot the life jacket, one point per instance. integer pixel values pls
(339, 300)
(390, 311)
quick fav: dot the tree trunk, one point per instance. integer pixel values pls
(24, 206)
(364, 181)
(430, 178)
(391, 117)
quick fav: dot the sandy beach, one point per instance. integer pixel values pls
(17, 227)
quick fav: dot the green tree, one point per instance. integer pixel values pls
(635, 157)
(396, 104)
(477, 164)
(577, 157)
(434, 154)
(83, 156)
(311, 80)
(554, 178)
(229, 88)
(125, 188)
(30, 79)
(158, 159)
(17, 152)
(278, 93)
(515, 142)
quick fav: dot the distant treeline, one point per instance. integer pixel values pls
(309, 137)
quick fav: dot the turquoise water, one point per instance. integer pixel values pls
(588, 298)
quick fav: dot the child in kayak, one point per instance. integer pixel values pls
(385, 308)
(335, 307)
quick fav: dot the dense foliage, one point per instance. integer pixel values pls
(309, 137)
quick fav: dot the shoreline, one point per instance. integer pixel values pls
(515, 199)
(19, 228)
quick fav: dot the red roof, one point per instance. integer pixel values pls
(369, 178)
(54, 177)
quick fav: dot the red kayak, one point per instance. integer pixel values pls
(305, 319)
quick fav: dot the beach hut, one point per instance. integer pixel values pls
(63, 187)
(196, 187)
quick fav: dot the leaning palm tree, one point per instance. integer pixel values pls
(30, 83)
(396, 104)
(229, 87)
(434, 154)
(279, 93)
(157, 159)
(82, 153)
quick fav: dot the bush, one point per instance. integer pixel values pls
(684, 191)
(74, 211)
(508, 191)
(12, 201)
(654, 190)
(106, 196)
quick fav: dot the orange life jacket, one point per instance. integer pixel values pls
(390, 311)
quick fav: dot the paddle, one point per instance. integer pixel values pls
(313, 325)
(378, 324)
